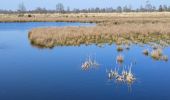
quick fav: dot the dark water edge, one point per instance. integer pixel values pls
(29, 73)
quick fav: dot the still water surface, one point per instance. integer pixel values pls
(30, 73)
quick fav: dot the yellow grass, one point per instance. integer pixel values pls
(119, 34)
(119, 48)
(120, 58)
(115, 18)
(156, 54)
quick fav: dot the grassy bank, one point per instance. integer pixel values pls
(119, 34)
(119, 28)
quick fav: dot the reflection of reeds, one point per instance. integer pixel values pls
(165, 58)
(127, 46)
(112, 74)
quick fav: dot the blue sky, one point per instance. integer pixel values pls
(50, 4)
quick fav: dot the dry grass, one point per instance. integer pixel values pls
(119, 48)
(146, 52)
(89, 63)
(120, 58)
(125, 76)
(156, 54)
(120, 34)
(113, 18)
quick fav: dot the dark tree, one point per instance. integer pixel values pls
(68, 9)
(119, 9)
(160, 8)
(148, 6)
(40, 10)
(21, 8)
(165, 8)
(60, 8)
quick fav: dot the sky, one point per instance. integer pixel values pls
(50, 4)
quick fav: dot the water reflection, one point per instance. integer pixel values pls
(3, 46)
(155, 54)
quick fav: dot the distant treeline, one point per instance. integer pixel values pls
(61, 9)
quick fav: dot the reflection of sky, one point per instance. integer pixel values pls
(50, 4)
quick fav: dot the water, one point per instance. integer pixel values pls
(30, 73)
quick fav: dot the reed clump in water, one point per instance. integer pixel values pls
(146, 52)
(156, 54)
(119, 48)
(89, 63)
(125, 75)
(120, 59)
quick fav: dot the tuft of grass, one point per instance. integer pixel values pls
(120, 58)
(119, 48)
(89, 63)
(126, 75)
(156, 54)
(146, 52)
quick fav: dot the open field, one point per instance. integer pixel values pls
(90, 17)
(125, 28)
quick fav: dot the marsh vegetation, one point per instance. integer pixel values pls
(123, 28)
(120, 59)
(125, 76)
(121, 34)
(89, 63)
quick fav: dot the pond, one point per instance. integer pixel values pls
(31, 73)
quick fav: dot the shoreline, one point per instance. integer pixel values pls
(110, 28)
(126, 34)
